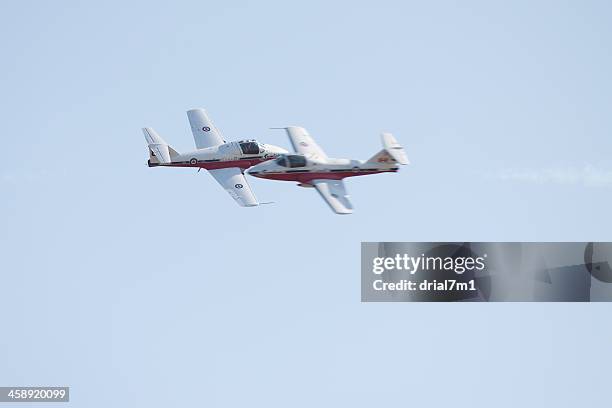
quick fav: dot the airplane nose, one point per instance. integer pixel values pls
(257, 169)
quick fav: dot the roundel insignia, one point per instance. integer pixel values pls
(303, 144)
(238, 185)
(206, 129)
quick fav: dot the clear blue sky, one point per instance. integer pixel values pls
(150, 287)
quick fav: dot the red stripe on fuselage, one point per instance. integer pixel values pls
(308, 177)
(243, 164)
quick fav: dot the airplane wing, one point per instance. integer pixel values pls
(234, 182)
(334, 193)
(204, 131)
(304, 144)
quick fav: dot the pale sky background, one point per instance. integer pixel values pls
(150, 287)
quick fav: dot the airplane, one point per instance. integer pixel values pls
(311, 167)
(225, 161)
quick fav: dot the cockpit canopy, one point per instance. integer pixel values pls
(291, 160)
(250, 147)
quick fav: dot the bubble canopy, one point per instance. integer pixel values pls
(291, 160)
(250, 147)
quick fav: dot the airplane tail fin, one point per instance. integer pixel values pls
(392, 151)
(159, 151)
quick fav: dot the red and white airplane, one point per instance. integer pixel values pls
(312, 168)
(225, 161)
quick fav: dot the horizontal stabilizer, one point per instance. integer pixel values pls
(161, 153)
(392, 152)
(395, 150)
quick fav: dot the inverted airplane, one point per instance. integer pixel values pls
(311, 167)
(225, 161)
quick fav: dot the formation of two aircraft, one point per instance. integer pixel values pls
(309, 166)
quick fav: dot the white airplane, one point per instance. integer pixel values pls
(225, 161)
(312, 168)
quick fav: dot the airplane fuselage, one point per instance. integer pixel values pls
(230, 154)
(332, 169)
